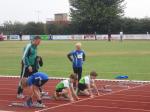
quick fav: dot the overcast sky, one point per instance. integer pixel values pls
(29, 10)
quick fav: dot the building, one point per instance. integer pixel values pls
(61, 17)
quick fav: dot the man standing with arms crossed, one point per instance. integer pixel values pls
(29, 64)
(77, 57)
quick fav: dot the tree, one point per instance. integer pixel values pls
(33, 28)
(89, 16)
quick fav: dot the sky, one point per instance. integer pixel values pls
(41, 10)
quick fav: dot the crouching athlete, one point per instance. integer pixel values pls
(65, 89)
(86, 84)
(33, 83)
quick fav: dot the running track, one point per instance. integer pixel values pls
(135, 98)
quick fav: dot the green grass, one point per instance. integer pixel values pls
(108, 58)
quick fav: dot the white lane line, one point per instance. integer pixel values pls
(6, 111)
(126, 101)
(62, 78)
(109, 100)
(42, 110)
(124, 95)
(110, 107)
(143, 91)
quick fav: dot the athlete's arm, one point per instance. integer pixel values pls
(70, 94)
(26, 58)
(74, 93)
(69, 57)
(84, 56)
(90, 91)
(95, 87)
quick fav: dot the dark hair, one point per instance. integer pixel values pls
(73, 76)
(36, 37)
(93, 73)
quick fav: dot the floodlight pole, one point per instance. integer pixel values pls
(38, 15)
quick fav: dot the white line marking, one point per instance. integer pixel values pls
(131, 101)
(143, 91)
(133, 95)
(6, 111)
(61, 78)
(109, 107)
(87, 99)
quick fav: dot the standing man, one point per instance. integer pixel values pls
(109, 35)
(121, 36)
(29, 63)
(77, 57)
(20, 36)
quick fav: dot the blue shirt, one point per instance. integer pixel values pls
(39, 75)
(77, 57)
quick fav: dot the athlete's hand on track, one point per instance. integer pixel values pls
(92, 96)
(78, 99)
(98, 94)
(71, 100)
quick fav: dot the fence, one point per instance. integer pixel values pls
(80, 37)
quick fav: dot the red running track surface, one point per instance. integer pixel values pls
(128, 98)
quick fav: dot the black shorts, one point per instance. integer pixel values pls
(59, 90)
(82, 87)
(40, 83)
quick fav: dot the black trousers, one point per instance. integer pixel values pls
(78, 71)
(82, 87)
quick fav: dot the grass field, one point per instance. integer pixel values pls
(109, 59)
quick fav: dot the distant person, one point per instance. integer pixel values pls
(29, 63)
(109, 35)
(20, 36)
(77, 57)
(121, 36)
(84, 37)
(147, 33)
(1, 36)
(95, 35)
(50, 37)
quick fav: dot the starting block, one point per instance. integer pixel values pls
(105, 90)
(18, 104)
(23, 105)
(44, 93)
(48, 98)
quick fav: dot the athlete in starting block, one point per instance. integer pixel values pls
(86, 84)
(65, 89)
(33, 83)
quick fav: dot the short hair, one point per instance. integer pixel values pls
(78, 44)
(93, 73)
(73, 76)
(36, 37)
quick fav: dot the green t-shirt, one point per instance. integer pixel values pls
(86, 80)
(63, 84)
